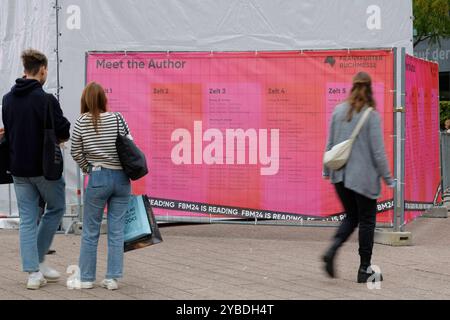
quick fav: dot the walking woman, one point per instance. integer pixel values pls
(94, 149)
(358, 183)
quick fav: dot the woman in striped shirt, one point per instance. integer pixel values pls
(94, 149)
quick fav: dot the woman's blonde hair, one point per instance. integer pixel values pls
(94, 101)
(361, 94)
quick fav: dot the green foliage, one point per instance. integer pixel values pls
(444, 111)
(431, 20)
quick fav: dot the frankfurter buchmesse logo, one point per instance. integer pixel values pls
(330, 60)
(236, 147)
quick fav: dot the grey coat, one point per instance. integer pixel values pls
(367, 162)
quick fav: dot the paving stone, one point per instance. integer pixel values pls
(221, 261)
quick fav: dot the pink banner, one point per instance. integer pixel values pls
(422, 174)
(240, 134)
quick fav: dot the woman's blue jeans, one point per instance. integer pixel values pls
(109, 188)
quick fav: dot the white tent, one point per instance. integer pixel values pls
(66, 29)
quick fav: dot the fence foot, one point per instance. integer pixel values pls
(78, 228)
(393, 238)
(71, 225)
(9, 223)
(436, 212)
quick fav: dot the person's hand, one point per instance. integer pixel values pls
(393, 184)
(2, 132)
(326, 177)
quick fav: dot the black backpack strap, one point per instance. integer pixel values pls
(48, 111)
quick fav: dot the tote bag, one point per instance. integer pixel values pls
(337, 157)
(136, 220)
(141, 229)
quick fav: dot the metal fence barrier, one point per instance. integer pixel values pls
(445, 169)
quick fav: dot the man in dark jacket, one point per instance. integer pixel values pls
(23, 113)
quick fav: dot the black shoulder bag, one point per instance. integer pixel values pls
(131, 157)
(52, 159)
(5, 175)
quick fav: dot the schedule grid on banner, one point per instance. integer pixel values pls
(240, 134)
(422, 173)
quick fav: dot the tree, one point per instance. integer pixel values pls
(431, 20)
(444, 112)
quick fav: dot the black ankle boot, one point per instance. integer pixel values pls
(364, 275)
(328, 258)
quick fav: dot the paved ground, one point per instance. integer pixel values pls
(247, 262)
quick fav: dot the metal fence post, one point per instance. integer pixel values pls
(399, 140)
(396, 66)
(402, 137)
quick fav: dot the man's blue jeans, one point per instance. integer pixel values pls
(112, 188)
(36, 240)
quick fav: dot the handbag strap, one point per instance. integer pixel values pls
(117, 121)
(118, 117)
(360, 123)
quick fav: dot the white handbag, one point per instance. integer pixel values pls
(337, 157)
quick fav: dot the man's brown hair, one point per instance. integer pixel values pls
(33, 60)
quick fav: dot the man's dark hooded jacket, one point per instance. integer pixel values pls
(23, 110)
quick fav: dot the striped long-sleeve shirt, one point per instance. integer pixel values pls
(90, 148)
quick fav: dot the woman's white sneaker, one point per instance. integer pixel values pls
(110, 284)
(36, 280)
(49, 273)
(87, 285)
(77, 284)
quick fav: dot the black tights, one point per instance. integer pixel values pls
(360, 210)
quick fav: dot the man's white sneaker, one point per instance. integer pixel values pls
(110, 284)
(36, 280)
(49, 273)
